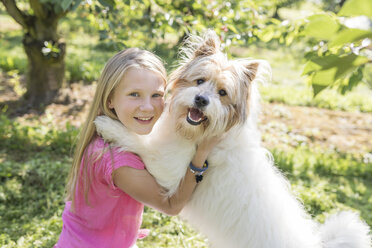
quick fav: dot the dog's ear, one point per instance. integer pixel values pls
(251, 71)
(209, 45)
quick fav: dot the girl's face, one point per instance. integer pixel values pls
(138, 100)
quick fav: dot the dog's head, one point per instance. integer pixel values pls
(210, 93)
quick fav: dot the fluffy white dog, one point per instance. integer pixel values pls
(243, 200)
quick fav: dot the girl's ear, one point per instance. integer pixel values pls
(110, 104)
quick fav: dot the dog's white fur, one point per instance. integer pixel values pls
(243, 200)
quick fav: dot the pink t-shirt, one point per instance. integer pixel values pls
(112, 218)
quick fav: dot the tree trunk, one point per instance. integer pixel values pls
(45, 72)
(45, 52)
(46, 66)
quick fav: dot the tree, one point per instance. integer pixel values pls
(125, 23)
(44, 48)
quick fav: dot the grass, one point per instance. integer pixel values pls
(34, 164)
(35, 160)
(359, 100)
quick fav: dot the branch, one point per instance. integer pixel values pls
(41, 11)
(62, 14)
(15, 12)
(38, 9)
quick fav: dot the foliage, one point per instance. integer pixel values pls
(343, 49)
(87, 55)
(339, 53)
(287, 85)
(151, 22)
(339, 56)
(35, 161)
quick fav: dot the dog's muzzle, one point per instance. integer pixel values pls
(195, 116)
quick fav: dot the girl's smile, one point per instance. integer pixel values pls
(144, 120)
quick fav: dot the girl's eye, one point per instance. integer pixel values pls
(200, 81)
(157, 95)
(222, 93)
(135, 94)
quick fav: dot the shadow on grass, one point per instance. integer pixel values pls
(328, 182)
(32, 198)
(20, 107)
(21, 142)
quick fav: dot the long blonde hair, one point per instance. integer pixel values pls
(110, 78)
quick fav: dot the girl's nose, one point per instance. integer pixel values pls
(146, 105)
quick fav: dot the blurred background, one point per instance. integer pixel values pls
(316, 112)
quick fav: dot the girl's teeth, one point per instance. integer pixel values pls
(144, 119)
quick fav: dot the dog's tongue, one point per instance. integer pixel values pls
(195, 114)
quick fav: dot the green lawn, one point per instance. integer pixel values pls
(35, 160)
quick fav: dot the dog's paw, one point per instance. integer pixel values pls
(110, 130)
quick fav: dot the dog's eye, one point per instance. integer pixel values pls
(200, 81)
(222, 93)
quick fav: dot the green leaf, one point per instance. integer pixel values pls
(324, 77)
(349, 36)
(356, 8)
(321, 26)
(317, 88)
(266, 34)
(340, 62)
(326, 71)
(349, 62)
(76, 4)
(310, 67)
(354, 80)
(324, 62)
(367, 74)
(107, 3)
(65, 4)
(232, 28)
(57, 8)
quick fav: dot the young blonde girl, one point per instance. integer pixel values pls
(107, 188)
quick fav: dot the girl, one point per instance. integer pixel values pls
(107, 188)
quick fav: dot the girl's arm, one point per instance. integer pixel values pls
(142, 186)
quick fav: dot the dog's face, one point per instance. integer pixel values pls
(209, 93)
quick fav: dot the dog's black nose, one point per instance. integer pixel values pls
(201, 101)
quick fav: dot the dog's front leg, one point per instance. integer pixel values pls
(115, 132)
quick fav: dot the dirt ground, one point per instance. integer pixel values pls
(281, 125)
(295, 125)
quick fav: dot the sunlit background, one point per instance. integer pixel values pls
(316, 111)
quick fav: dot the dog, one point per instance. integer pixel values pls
(243, 200)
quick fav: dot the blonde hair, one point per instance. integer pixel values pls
(110, 78)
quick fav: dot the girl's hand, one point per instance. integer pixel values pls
(203, 150)
(208, 144)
